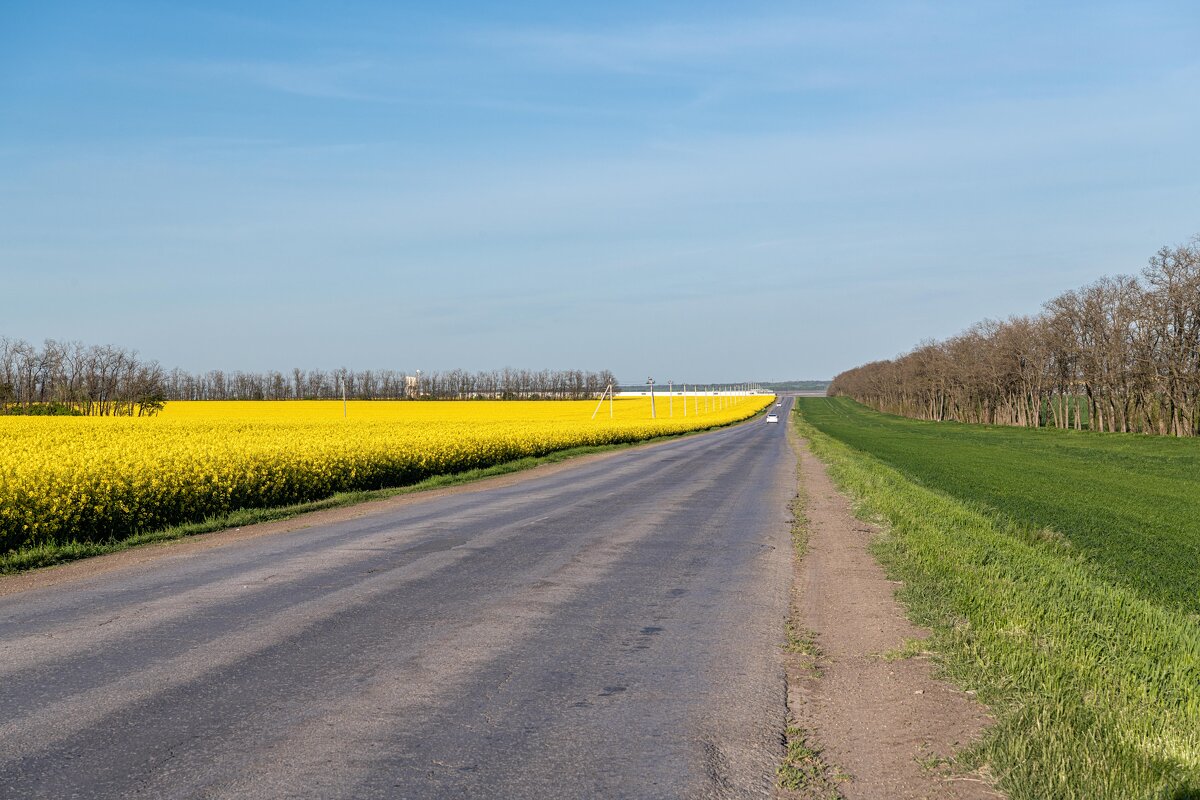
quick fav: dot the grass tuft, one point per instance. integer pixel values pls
(803, 769)
(912, 648)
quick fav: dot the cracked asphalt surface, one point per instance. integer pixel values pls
(606, 630)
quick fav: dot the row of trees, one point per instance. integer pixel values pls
(68, 377)
(386, 384)
(1122, 354)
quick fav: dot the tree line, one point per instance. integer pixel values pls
(1121, 354)
(386, 384)
(72, 378)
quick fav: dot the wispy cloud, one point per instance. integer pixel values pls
(338, 80)
(634, 49)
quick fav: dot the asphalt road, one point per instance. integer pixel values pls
(606, 630)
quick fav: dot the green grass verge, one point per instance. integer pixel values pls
(1094, 684)
(49, 554)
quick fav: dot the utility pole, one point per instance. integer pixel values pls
(651, 382)
(608, 392)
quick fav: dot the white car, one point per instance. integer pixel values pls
(772, 417)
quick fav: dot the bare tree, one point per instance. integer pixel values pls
(1117, 355)
(63, 377)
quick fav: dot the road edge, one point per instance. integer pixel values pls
(375, 502)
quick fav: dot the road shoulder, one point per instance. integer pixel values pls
(868, 717)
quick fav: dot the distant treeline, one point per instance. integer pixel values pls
(1121, 354)
(71, 378)
(386, 384)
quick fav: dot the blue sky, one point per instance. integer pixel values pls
(697, 191)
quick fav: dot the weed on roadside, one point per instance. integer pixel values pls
(912, 648)
(804, 772)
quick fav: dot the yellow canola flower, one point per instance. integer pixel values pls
(96, 478)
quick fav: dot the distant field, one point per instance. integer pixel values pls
(97, 479)
(797, 386)
(1060, 572)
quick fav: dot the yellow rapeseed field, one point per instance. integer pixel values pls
(98, 478)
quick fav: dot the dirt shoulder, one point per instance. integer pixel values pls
(870, 719)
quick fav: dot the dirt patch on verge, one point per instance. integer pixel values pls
(867, 717)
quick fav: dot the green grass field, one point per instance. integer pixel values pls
(1060, 572)
(1130, 504)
